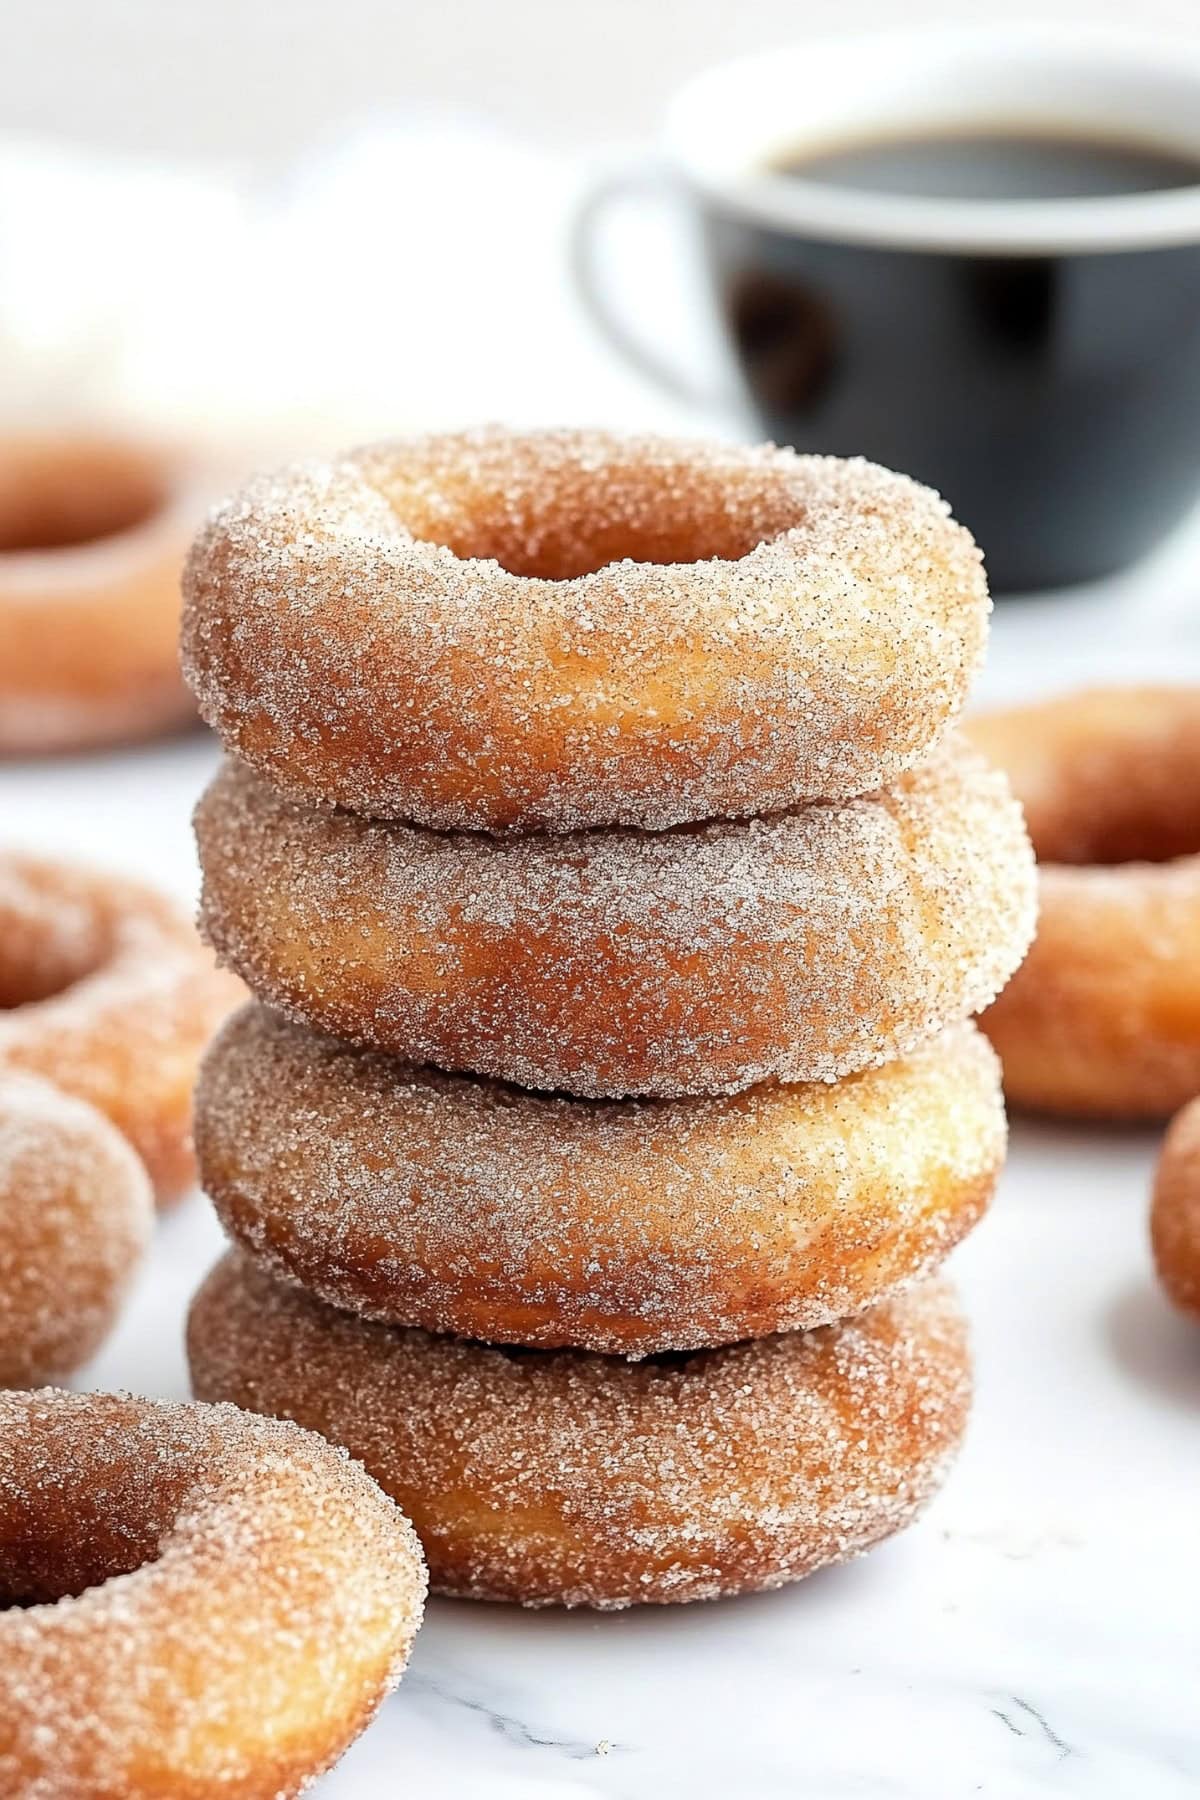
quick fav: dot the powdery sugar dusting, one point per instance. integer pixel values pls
(692, 631)
(700, 960)
(469, 1207)
(561, 1477)
(244, 1596)
(76, 1213)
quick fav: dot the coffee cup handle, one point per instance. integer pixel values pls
(629, 182)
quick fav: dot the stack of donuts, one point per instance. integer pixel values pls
(616, 896)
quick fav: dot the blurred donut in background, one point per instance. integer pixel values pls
(93, 531)
(76, 1213)
(1102, 1020)
(106, 991)
(1175, 1211)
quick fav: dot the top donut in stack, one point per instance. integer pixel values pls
(568, 630)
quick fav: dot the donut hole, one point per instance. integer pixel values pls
(547, 510)
(57, 495)
(50, 937)
(45, 975)
(1107, 776)
(64, 1533)
(1122, 838)
(565, 550)
(1136, 810)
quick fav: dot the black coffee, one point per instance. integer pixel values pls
(996, 164)
(1053, 395)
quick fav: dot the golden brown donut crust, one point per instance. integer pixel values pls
(1175, 1210)
(562, 630)
(699, 960)
(469, 1207)
(93, 535)
(1103, 1018)
(76, 1212)
(106, 992)
(556, 1477)
(199, 1602)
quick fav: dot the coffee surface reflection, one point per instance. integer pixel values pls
(995, 163)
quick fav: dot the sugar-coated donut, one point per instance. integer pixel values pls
(1103, 1020)
(106, 991)
(469, 1207)
(199, 1602)
(567, 629)
(698, 960)
(558, 1477)
(93, 535)
(76, 1210)
(1175, 1210)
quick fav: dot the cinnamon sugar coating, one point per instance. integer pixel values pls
(700, 960)
(557, 1477)
(469, 1207)
(106, 992)
(76, 1212)
(569, 629)
(1103, 1019)
(93, 536)
(1175, 1210)
(200, 1602)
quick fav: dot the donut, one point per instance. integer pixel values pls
(608, 963)
(198, 1602)
(556, 1477)
(93, 535)
(1175, 1210)
(568, 629)
(633, 1227)
(106, 992)
(1103, 1020)
(75, 1216)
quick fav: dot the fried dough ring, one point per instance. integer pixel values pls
(200, 1602)
(700, 960)
(76, 1212)
(464, 1206)
(93, 536)
(1175, 1210)
(556, 1477)
(561, 630)
(1103, 1019)
(106, 992)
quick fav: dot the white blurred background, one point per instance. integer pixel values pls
(257, 80)
(273, 225)
(269, 227)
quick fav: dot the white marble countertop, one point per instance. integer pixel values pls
(1036, 1635)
